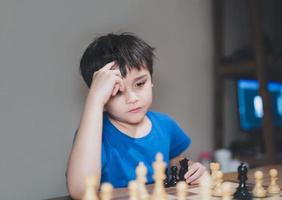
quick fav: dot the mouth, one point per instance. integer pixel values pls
(135, 110)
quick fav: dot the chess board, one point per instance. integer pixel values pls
(193, 193)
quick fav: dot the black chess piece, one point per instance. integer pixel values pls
(174, 176)
(242, 192)
(183, 168)
(167, 178)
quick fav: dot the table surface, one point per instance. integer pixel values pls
(232, 177)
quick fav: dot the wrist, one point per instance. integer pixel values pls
(95, 101)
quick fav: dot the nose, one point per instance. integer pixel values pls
(131, 97)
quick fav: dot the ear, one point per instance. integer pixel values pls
(152, 85)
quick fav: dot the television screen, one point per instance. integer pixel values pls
(251, 105)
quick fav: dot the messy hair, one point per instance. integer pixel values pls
(126, 49)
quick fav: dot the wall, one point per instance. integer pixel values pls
(42, 93)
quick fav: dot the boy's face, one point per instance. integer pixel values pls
(131, 105)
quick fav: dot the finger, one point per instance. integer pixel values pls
(116, 72)
(115, 90)
(115, 66)
(195, 182)
(119, 86)
(108, 66)
(194, 177)
(192, 169)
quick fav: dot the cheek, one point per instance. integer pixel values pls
(147, 94)
(114, 104)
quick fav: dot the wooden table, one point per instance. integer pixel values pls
(232, 177)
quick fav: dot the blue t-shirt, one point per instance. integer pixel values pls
(122, 153)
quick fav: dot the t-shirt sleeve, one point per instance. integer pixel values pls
(179, 140)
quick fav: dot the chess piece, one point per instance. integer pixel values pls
(90, 189)
(273, 188)
(167, 178)
(242, 192)
(106, 191)
(174, 177)
(217, 191)
(159, 165)
(214, 167)
(258, 190)
(183, 169)
(205, 186)
(226, 191)
(133, 190)
(181, 189)
(141, 179)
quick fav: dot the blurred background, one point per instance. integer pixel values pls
(218, 73)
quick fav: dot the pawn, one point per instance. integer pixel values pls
(133, 190)
(106, 191)
(205, 186)
(181, 189)
(141, 179)
(226, 191)
(258, 190)
(167, 178)
(174, 176)
(273, 188)
(214, 167)
(90, 189)
(217, 191)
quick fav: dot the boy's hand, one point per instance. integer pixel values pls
(106, 82)
(196, 170)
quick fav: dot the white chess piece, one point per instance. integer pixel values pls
(106, 191)
(273, 188)
(205, 186)
(226, 191)
(133, 190)
(217, 190)
(159, 165)
(141, 179)
(258, 190)
(214, 167)
(181, 188)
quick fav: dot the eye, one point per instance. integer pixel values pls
(140, 84)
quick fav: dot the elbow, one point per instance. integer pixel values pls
(75, 194)
(75, 189)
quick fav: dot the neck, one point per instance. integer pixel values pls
(133, 130)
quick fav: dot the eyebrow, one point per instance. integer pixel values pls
(140, 77)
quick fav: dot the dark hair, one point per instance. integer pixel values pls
(126, 49)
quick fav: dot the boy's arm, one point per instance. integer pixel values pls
(195, 170)
(85, 157)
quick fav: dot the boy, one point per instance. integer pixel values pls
(117, 131)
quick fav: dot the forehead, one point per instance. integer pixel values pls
(134, 74)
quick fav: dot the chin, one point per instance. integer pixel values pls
(135, 119)
(129, 118)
